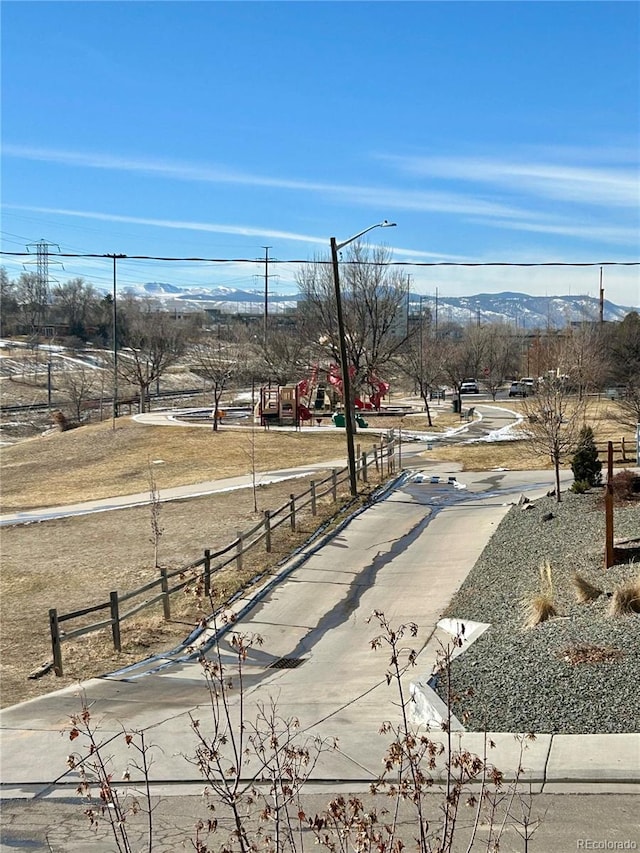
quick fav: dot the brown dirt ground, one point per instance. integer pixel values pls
(72, 563)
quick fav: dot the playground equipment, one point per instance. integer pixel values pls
(281, 406)
(292, 405)
(378, 387)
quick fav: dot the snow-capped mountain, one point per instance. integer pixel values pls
(517, 309)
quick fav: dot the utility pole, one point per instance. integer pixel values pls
(601, 299)
(266, 291)
(436, 313)
(115, 341)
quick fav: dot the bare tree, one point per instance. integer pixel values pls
(585, 358)
(9, 308)
(153, 341)
(155, 508)
(462, 354)
(374, 300)
(217, 364)
(500, 353)
(555, 418)
(78, 382)
(624, 355)
(421, 361)
(286, 352)
(75, 301)
(32, 294)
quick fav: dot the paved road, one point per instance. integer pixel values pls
(406, 556)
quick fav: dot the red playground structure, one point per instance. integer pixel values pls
(292, 405)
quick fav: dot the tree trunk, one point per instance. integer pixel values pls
(556, 464)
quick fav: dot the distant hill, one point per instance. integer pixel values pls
(517, 309)
(520, 309)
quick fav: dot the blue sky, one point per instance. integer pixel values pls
(488, 131)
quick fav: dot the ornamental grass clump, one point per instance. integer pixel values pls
(625, 600)
(584, 591)
(540, 608)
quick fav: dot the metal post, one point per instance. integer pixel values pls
(266, 292)
(346, 379)
(608, 510)
(115, 348)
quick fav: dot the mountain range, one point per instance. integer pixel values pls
(519, 309)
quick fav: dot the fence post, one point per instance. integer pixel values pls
(375, 456)
(115, 620)
(207, 572)
(365, 476)
(56, 643)
(267, 530)
(164, 586)
(624, 450)
(240, 550)
(313, 497)
(334, 484)
(292, 511)
(358, 457)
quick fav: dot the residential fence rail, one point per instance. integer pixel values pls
(120, 608)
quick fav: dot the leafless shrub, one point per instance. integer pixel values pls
(255, 770)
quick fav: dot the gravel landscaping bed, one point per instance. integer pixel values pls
(578, 672)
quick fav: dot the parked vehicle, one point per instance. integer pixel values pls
(518, 389)
(469, 386)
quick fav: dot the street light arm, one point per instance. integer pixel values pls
(383, 224)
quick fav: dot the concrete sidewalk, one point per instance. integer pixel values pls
(400, 557)
(176, 493)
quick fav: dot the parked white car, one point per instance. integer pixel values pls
(469, 386)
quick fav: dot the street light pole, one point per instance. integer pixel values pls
(115, 342)
(349, 421)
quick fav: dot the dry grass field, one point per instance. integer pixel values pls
(74, 563)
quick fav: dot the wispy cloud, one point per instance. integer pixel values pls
(398, 199)
(216, 228)
(507, 186)
(241, 230)
(618, 187)
(600, 233)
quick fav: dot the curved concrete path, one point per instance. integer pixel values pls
(492, 422)
(406, 555)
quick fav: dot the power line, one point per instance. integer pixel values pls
(358, 263)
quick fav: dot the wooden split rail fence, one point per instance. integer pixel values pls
(623, 450)
(201, 571)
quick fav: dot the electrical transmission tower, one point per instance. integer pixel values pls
(40, 295)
